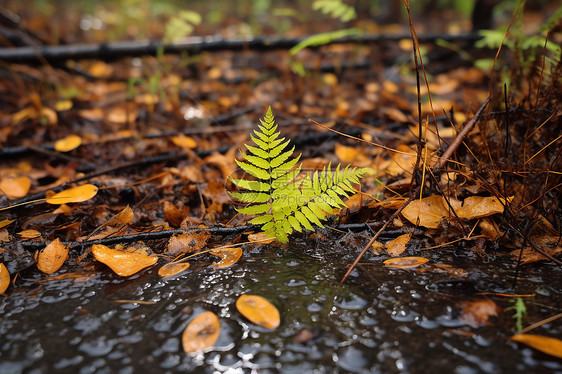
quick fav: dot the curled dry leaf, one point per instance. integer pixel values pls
(73, 195)
(123, 263)
(477, 207)
(201, 333)
(260, 237)
(51, 258)
(15, 187)
(228, 256)
(259, 311)
(172, 268)
(397, 246)
(405, 262)
(188, 242)
(68, 143)
(4, 278)
(545, 344)
(125, 216)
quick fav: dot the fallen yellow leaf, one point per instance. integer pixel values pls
(397, 246)
(4, 278)
(260, 237)
(123, 263)
(229, 256)
(68, 143)
(172, 268)
(16, 187)
(478, 207)
(125, 216)
(29, 234)
(73, 195)
(259, 311)
(6, 222)
(427, 212)
(405, 262)
(183, 141)
(550, 346)
(51, 258)
(201, 333)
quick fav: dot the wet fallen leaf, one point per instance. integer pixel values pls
(29, 234)
(68, 143)
(545, 344)
(15, 187)
(427, 212)
(260, 237)
(397, 246)
(405, 262)
(51, 258)
(123, 263)
(201, 333)
(125, 216)
(478, 207)
(188, 242)
(4, 278)
(476, 313)
(228, 256)
(259, 311)
(6, 222)
(73, 195)
(172, 268)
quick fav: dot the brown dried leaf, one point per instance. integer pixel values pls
(201, 333)
(125, 216)
(29, 234)
(478, 207)
(427, 212)
(188, 242)
(4, 278)
(15, 187)
(51, 258)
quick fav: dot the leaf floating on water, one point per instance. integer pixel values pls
(201, 333)
(73, 195)
(476, 313)
(68, 143)
(123, 263)
(259, 311)
(172, 268)
(15, 188)
(4, 278)
(545, 344)
(51, 258)
(229, 256)
(397, 246)
(405, 262)
(261, 237)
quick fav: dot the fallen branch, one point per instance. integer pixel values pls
(113, 51)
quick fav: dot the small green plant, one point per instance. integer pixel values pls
(520, 310)
(336, 8)
(180, 26)
(281, 198)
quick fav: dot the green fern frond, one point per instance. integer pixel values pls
(336, 8)
(281, 200)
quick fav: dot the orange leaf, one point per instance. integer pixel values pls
(16, 187)
(125, 216)
(405, 262)
(62, 105)
(29, 234)
(478, 207)
(476, 313)
(68, 144)
(6, 222)
(201, 333)
(550, 346)
(172, 268)
(229, 256)
(259, 311)
(346, 154)
(427, 212)
(183, 141)
(4, 278)
(397, 246)
(260, 237)
(73, 195)
(51, 258)
(123, 263)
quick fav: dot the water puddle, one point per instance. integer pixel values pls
(382, 320)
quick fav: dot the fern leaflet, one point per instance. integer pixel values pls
(281, 199)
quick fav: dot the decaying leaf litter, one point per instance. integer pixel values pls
(129, 164)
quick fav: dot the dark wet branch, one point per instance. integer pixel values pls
(113, 51)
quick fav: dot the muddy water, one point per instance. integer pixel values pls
(382, 320)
